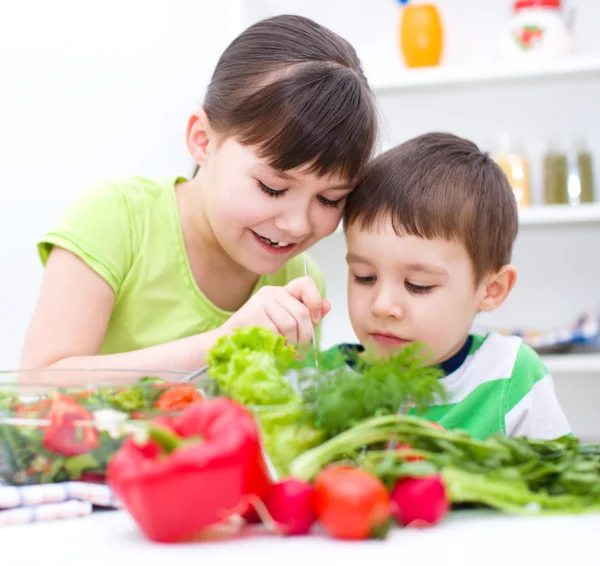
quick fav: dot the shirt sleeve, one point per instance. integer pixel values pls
(532, 408)
(96, 228)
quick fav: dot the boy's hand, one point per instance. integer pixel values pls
(291, 311)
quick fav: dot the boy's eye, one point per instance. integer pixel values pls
(418, 288)
(365, 280)
(333, 203)
(271, 192)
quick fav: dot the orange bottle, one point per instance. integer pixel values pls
(421, 34)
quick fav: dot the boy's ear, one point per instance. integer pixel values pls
(200, 137)
(497, 287)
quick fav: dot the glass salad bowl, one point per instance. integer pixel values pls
(52, 430)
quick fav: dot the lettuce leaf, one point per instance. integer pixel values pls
(286, 433)
(249, 366)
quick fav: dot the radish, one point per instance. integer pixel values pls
(420, 502)
(290, 505)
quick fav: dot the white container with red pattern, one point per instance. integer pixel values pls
(538, 29)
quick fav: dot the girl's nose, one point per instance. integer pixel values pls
(296, 223)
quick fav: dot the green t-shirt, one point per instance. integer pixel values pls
(128, 231)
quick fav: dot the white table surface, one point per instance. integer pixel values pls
(110, 538)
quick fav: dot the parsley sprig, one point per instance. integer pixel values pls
(346, 394)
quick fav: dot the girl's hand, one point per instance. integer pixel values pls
(291, 311)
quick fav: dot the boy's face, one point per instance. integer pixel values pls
(404, 289)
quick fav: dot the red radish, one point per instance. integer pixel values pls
(290, 504)
(420, 502)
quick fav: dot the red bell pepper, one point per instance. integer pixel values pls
(195, 470)
(70, 431)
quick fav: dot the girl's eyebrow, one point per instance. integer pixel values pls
(291, 177)
(276, 172)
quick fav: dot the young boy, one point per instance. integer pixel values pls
(430, 231)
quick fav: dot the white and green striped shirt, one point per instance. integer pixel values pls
(501, 386)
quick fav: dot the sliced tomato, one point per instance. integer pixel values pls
(70, 431)
(41, 407)
(178, 397)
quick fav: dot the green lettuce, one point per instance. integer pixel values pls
(286, 432)
(249, 366)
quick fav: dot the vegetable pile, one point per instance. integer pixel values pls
(257, 368)
(72, 434)
(295, 450)
(338, 452)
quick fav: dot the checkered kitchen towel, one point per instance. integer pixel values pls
(31, 503)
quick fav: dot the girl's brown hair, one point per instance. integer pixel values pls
(296, 91)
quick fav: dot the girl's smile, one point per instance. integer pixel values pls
(274, 247)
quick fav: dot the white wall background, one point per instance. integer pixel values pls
(89, 89)
(99, 89)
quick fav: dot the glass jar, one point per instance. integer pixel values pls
(516, 168)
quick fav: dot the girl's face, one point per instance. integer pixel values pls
(262, 217)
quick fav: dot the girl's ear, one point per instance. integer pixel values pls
(200, 137)
(497, 288)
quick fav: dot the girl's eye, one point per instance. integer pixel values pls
(368, 280)
(333, 203)
(418, 289)
(269, 191)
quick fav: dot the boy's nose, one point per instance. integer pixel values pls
(387, 304)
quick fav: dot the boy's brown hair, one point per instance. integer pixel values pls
(439, 185)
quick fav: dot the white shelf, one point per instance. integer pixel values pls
(572, 364)
(558, 214)
(412, 79)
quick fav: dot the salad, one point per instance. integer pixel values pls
(70, 434)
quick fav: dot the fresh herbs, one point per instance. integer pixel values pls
(257, 368)
(516, 475)
(356, 387)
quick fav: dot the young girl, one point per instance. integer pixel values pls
(148, 273)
